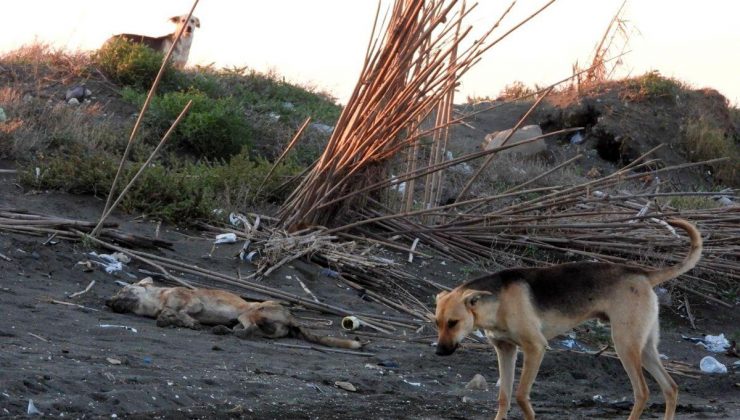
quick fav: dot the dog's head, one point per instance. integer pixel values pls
(456, 316)
(136, 298)
(190, 24)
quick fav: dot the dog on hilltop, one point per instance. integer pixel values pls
(163, 43)
(525, 307)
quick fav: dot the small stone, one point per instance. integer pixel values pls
(73, 101)
(113, 361)
(345, 386)
(477, 383)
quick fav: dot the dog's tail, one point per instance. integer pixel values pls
(343, 343)
(660, 275)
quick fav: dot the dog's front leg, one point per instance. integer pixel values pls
(506, 354)
(534, 351)
(177, 318)
(245, 328)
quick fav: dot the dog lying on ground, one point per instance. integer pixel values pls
(527, 306)
(163, 43)
(191, 308)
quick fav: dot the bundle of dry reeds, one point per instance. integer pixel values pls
(410, 68)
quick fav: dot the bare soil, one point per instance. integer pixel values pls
(63, 359)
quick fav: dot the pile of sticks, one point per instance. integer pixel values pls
(410, 69)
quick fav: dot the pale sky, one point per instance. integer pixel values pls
(322, 43)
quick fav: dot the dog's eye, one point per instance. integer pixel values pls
(451, 323)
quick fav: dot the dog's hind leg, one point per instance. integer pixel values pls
(245, 328)
(506, 354)
(651, 362)
(534, 351)
(629, 342)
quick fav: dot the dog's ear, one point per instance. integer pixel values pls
(175, 19)
(145, 282)
(197, 22)
(473, 297)
(440, 295)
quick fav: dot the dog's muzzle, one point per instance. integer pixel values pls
(446, 349)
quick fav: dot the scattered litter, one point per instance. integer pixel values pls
(711, 365)
(73, 101)
(390, 364)
(225, 238)
(237, 219)
(576, 138)
(323, 128)
(113, 361)
(248, 257)
(329, 273)
(412, 383)
(147, 360)
(110, 263)
(121, 257)
(466, 399)
(713, 343)
(3, 117)
(79, 92)
(345, 386)
(572, 344)
(479, 334)
(478, 383)
(132, 329)
(599, 398)
(32, 410)
(663, 356)
(351, 323)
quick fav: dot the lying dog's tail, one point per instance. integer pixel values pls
(343, 343)
(660, 275)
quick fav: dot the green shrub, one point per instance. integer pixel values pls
(181, 193)
(653, 84)
(213, 128)
(131, 64)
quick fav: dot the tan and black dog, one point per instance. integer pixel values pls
(527, 306)
(163, 43)
(191, 308)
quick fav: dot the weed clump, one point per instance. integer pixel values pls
(131, 64)
(704, 141)
(214, 128)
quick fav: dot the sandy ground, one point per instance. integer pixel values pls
(71, 366)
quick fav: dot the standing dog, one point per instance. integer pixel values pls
(163, 43)
(191, 308)
(527, 306)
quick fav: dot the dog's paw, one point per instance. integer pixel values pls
(221, 330)
(242, 333)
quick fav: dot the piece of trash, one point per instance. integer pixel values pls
(478, 383)
(225, 238)
(412, 383)
(466, 399)
(237, 219)
(3, 117)
(713, 343)
(576, 138)
(599, 398)
(32, 410)
(345, 386)
(329, 273)
(390, 364)
(87, 266)
(110, 263)
(147, 360)
(479, 334)
(248, 257)
(711, 365)
(80, 93)
(663, 356)
(132, 329)
(113, 361)
(121, 257)
(351, 323)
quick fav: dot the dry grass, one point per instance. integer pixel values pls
(704, 140)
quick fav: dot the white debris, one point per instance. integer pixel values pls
(225, 238)
(711, 365)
